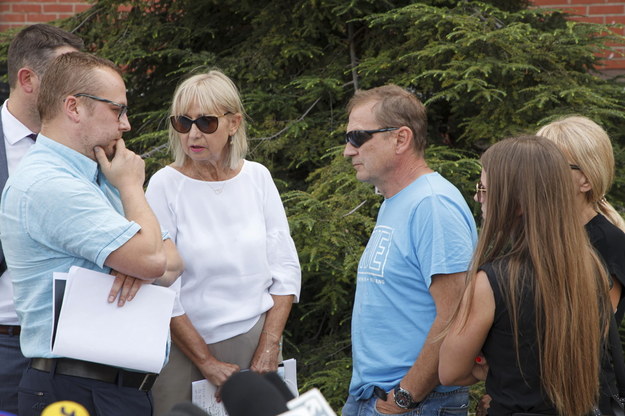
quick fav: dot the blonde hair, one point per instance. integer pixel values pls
(588, 146)
(531, 224)
(214, 93)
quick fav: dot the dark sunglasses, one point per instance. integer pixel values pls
(358, 137)
(206, 124)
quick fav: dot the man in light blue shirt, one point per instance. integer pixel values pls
(77, 200)
(411, 274)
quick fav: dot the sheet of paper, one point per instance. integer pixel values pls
(288, 371)
(91, 329)
(203, 396)
(310, 403)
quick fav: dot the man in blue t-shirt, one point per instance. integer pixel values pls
(411, 274)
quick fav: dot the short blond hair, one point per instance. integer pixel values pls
(588, 146)
(214, 93)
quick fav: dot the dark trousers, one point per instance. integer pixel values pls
(12, 366)
(39, 388)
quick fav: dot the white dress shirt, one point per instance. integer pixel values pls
(16, 143)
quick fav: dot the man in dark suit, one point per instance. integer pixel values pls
(30, 53)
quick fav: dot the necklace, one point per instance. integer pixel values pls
(217, 190)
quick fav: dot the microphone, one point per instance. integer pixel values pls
(65, 408)
(186, 409)
(250, 394)
(277, 381)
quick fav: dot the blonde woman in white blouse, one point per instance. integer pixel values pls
(225, 215)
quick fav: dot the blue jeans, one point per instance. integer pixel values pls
(12, 366)
(453, 403)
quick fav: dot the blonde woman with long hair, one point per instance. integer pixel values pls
(535, 304)
(589, 152)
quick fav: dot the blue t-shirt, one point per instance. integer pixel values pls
(57, 211)
(424, 230)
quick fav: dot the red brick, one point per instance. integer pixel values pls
(4, 7)
(577, 10)
(586, 2)
(58, 8)
(13, 17)
(607, 9)
(613, 64)
(26, 8)
(594, 19)
(81, 7)
(550, 3)
(615, 19)
(39, 18)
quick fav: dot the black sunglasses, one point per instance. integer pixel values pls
(206, 124)
(358, 137)
(123, 108)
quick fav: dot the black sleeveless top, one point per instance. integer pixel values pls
(609, 242)
(513, 390)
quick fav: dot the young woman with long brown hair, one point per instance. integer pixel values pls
(536, 298)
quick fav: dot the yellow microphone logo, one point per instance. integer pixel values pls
(65, 408)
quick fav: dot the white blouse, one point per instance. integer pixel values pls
(234, 238)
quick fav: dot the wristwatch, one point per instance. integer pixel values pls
(403, 398)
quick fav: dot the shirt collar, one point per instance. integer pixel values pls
(88, 167)
(14, 130)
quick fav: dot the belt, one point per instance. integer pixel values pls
(95, 371)
(10, 329)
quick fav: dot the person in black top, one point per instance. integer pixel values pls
(590, 155)
(535, 303)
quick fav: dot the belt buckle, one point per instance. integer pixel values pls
(147, 382)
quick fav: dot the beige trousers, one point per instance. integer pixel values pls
(174, 382)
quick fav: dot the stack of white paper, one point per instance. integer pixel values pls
(91, 329)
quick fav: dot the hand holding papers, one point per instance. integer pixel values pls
(91, 329)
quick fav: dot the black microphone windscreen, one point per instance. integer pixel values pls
(250, 394)
(186, 409)
(279, 384)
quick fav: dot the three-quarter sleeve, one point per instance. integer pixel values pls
(281, 253)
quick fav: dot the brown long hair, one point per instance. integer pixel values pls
(532, 224)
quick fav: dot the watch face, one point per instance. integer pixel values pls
(403, 399)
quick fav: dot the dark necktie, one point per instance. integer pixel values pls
(33, 136)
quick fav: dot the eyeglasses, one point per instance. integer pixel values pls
(479, 188)
(206, 124)
(123, 108)
(358, 137)
(575, 167)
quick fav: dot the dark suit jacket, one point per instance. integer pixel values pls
(4, 172)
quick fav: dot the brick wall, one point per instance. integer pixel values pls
(17, 13)
(596, 11)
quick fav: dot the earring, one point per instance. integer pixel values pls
(230, 140)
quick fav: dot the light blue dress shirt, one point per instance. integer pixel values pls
(57, 211)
